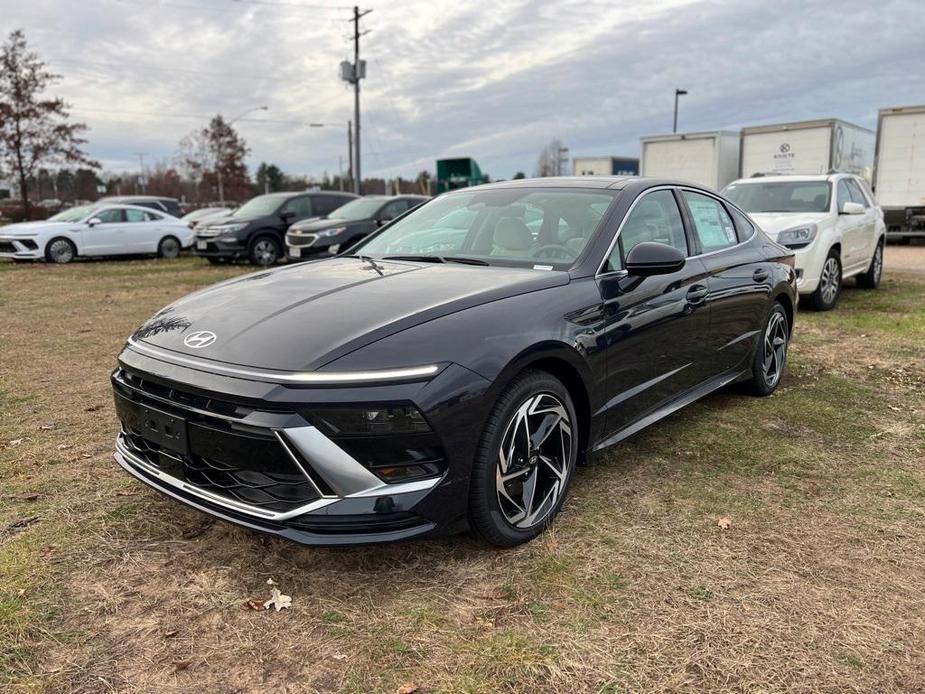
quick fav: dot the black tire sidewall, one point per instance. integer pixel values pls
(817, 301)
(485, 515)
(253, 249)
(758, 384)
(160, 247)
(870, 279)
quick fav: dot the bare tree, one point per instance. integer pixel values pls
(553, 160)
(34, 130)
(217, 150)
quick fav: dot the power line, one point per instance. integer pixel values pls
(197, 116)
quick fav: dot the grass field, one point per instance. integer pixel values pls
(816, 585)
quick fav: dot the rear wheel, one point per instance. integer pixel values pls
(826, 295)
(771, 354)
(60, 250)
(264, 251)
(169, 247)
(525, 460)
(871, 278)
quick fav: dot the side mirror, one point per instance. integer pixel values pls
(649, 258)
(93, 221)
(382, 221)
(286, 215)
(852, 208)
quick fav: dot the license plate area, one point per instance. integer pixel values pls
(202, 245)
(295, 251)
(166, 430)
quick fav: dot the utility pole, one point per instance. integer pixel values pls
(677, 93)
(141, 177)
(350, 161)
(354, 73)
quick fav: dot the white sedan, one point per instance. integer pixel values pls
(96, 230)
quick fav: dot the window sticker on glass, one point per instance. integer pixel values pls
(713, 226)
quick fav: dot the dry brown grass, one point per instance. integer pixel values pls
(817, 586)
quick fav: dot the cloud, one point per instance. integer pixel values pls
(492, 80)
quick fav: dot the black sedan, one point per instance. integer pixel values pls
(346, 225)
(454, 369)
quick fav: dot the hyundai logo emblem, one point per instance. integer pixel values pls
(200, 339)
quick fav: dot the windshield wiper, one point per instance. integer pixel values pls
(464, 260)
(419, 258)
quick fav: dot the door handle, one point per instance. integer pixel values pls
(760, 275)
(697, 294)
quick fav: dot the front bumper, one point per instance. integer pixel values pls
(309, 245)
(808, 263)
(211, 247)
(326, 496)
(19, 248)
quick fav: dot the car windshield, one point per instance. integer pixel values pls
(261, 205)
(361, 208)
(526, 227)
(780, 196)
(75, 214)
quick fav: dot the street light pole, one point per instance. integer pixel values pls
(218, 164)
(677, 93)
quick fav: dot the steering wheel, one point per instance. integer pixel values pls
(554, 251)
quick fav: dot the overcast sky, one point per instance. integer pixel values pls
(493, 79)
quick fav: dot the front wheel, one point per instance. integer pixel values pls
(525, 460)
(264, 251)
(826, 295)
(60, 250)
(871, 278)
(771, 354)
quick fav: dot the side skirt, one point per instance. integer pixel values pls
(671, 406)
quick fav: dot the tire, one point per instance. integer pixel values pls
(871, 278)
(264, 251)
(529, 403)
(830, 282)
(169, 247)
(770, 352)
(60, 250)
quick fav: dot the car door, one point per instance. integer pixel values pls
(297, 209)
(867, 240)
(739, 280)
(850, 228)
(141, 231)
(107, 235)
(654, 327)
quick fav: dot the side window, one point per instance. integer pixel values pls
(856, 194)
(654, 218)
(712, 224)
(844, 195)
(109, 216)
(326, 204)
(393, 209)
(744, 227)
(300, 207)
(136, 216)
(154, 216)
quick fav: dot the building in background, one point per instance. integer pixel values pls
(708, 158)
(457, 173)
(605, 166)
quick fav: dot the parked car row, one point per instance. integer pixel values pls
(296, 225)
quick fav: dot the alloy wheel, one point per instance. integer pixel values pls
(61, 251)
(170, 248)
(830, 280)
(775, 348)
(534, 461)
(265, 252)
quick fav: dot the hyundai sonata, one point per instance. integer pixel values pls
(453, 369)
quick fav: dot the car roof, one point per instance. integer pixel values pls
(585, 182)
(124, 206)
(795, 177)
(137, 197)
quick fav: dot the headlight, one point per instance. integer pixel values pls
(332, 232)
(372, 420)
(797, 237)
(229, 228)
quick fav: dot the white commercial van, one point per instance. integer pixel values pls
(899, 173)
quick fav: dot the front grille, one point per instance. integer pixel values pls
(7, 247)
(374, 523)
(306, 240)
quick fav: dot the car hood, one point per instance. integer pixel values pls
(774, 222)
(302, 317)
(32, 228)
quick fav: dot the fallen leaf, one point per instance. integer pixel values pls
(93, 408)
(339, 656)
(47, 427)
(170, 634)
(407, 688)
(271, 582)
(14, 442)
(256, 604)
(278, 600)
(181, 665)
(63, 446)
(724, 523)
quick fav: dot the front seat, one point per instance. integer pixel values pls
(512, 238)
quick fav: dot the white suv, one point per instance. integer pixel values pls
(831, 222)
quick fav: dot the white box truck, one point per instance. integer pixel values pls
(899, 171)
(708, 158)
(808, 147)
(605, 166)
